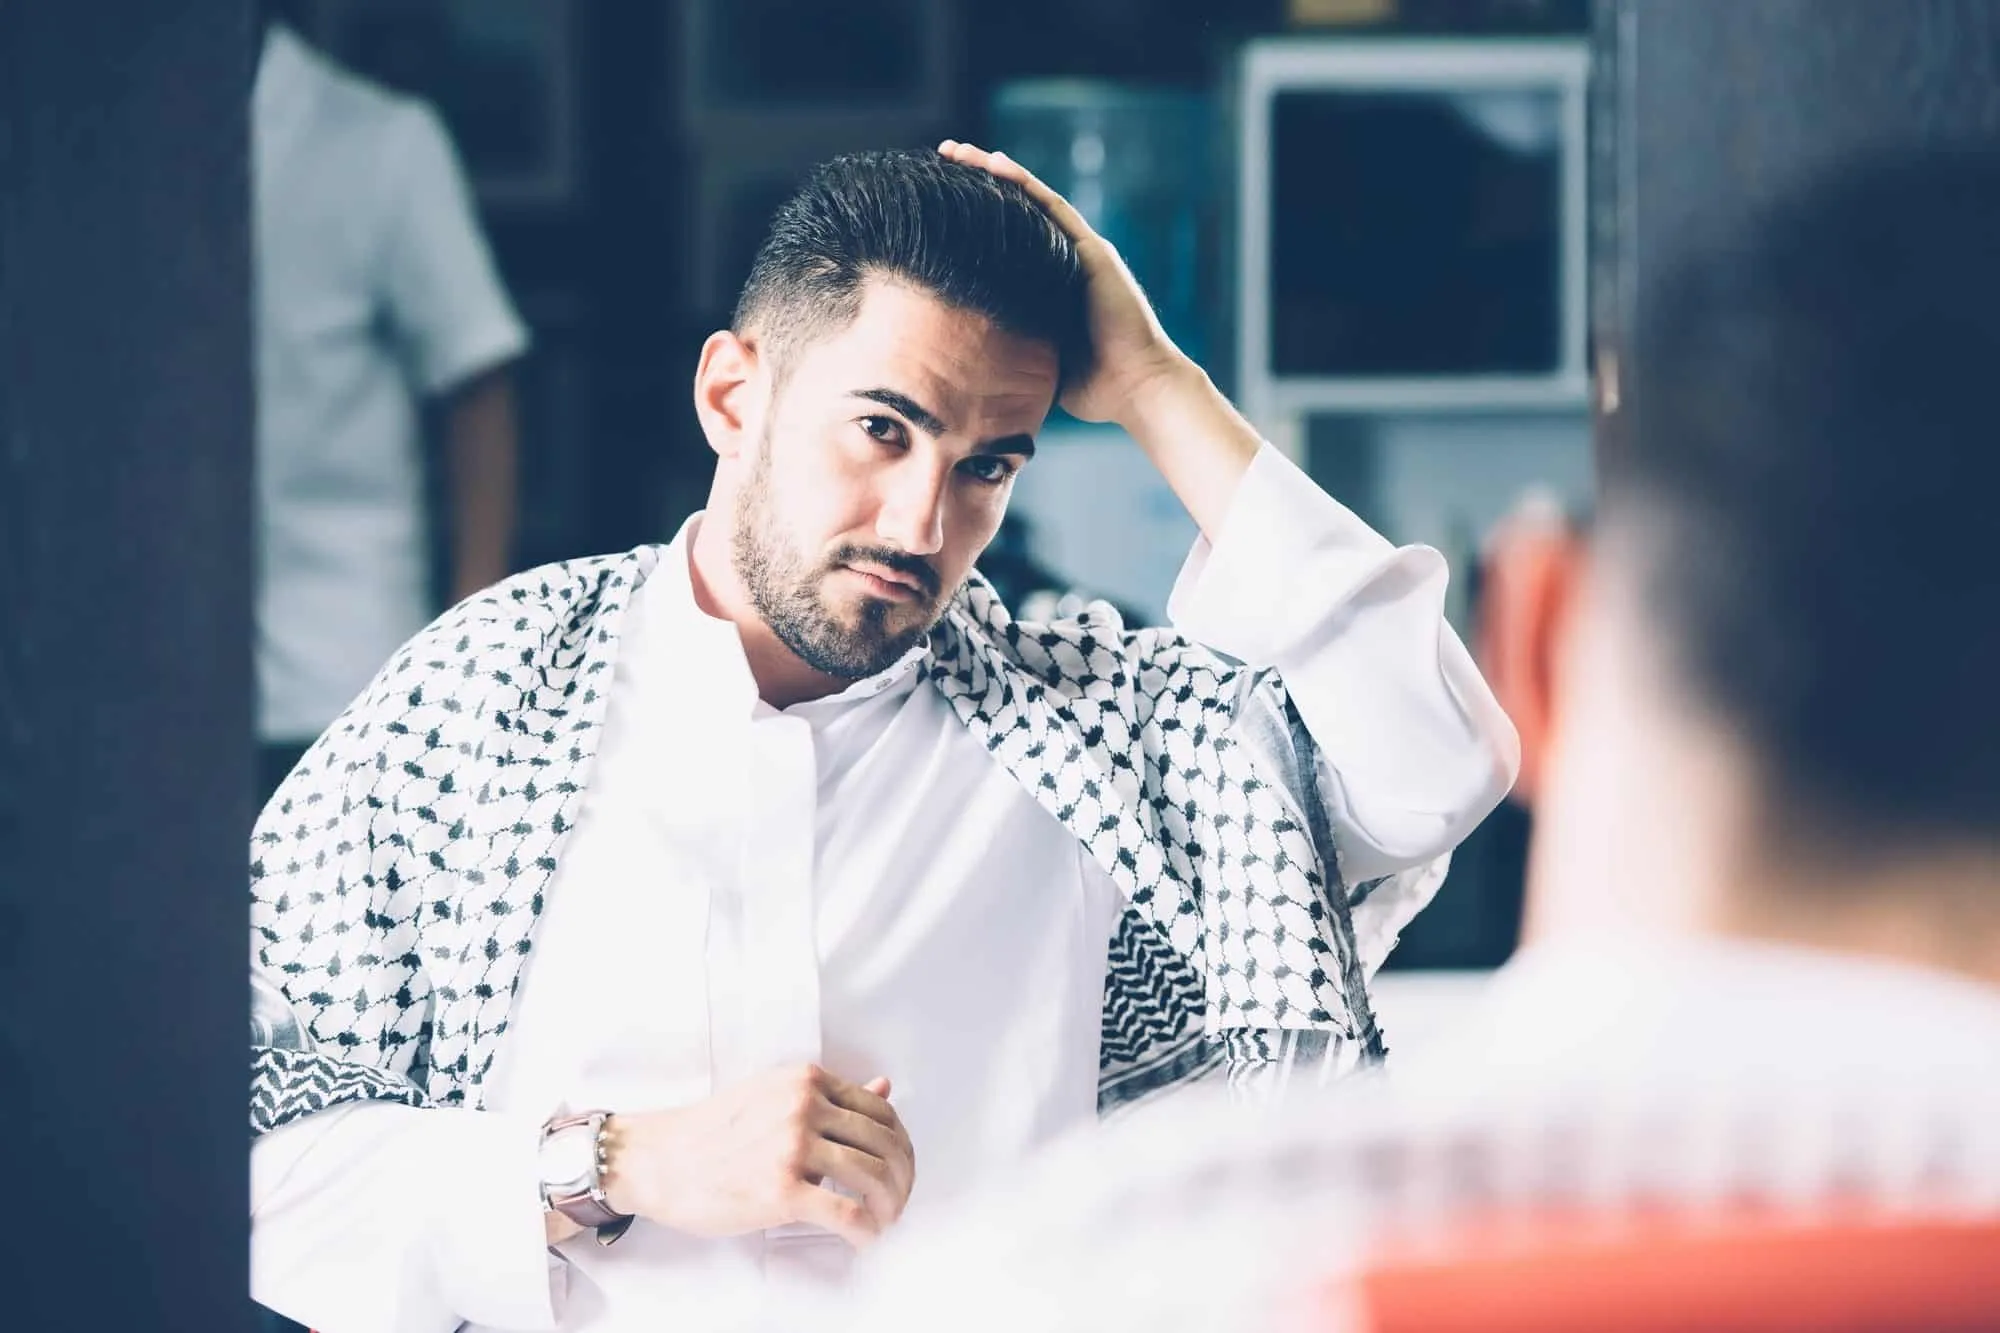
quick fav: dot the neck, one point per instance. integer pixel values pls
(783, 679)
(1674, 840)
(1655, 819)
(1938, 907)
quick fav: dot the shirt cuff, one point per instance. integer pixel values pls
(490, 1235)
(381, 1216)
(1241, 594)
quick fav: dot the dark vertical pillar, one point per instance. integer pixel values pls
(125, 728)
(1706, 107)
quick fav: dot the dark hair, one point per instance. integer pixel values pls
(974, 241)
(1809, 461)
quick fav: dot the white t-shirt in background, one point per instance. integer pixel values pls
(374, 289)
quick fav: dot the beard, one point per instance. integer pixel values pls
(787, 589)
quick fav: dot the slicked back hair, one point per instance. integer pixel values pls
(960, 234)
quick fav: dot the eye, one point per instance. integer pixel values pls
(989, 469)
(887, 430)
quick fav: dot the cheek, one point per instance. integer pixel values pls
(820, 491)
(970, 525)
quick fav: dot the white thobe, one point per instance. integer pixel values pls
(852, 882)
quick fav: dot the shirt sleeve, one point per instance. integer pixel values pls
(1417, 748)
(445, 302)
(378, 1217)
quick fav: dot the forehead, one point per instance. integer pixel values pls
(980, 378)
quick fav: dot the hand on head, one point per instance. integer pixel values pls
(1130, 350)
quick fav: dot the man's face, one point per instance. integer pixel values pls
(880, 473)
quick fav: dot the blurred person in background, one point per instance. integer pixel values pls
(1762, 972)
(376, 298)
(659, 922)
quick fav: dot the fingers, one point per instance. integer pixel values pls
(844, 1217)
(859, 1131)
(870, 1178)
(861, 1118)
(854, 1142)
(890, 1147)
(1007, 168)
(862, 1100)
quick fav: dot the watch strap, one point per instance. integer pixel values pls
(589, 1207)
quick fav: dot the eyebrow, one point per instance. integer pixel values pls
(934, 425)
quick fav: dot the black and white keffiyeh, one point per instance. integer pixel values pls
(398, 874)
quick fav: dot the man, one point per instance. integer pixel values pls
(375, 297)
(731, 886)
(1763, 969)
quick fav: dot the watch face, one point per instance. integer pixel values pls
(568, 1160)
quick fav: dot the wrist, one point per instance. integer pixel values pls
(1162, 395)
(1200, 443)
(636, 1165)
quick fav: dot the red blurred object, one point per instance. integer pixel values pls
(1526, 580)
(1857, 1277)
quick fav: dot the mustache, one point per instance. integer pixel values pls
(914, 566)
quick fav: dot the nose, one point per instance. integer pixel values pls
(912, 514)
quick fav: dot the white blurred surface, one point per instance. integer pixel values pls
(1417, 1009)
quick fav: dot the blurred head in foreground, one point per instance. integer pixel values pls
(1767, 702)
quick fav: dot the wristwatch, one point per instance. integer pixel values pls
(572, 1159)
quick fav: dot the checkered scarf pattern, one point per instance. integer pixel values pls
(398, 874)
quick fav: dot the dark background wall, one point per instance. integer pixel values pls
(1709, 107)
(125, 444)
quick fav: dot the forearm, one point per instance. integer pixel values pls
(484, 464)
(1197, 439)
(381, 1216)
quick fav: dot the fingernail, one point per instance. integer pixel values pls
(1002, 157)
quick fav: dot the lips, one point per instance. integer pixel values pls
(888, 582)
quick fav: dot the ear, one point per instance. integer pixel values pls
(1533, 569)
(725, 382)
